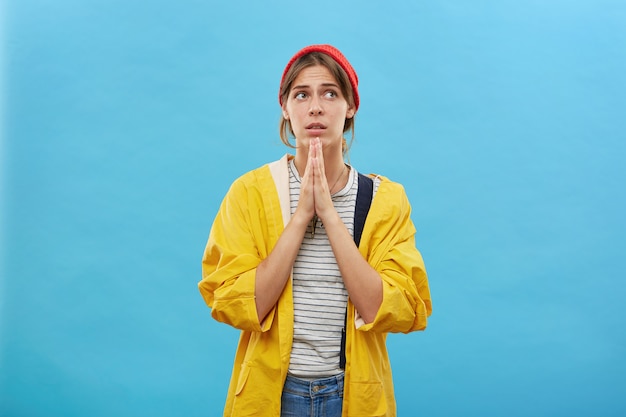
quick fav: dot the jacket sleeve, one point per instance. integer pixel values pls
(229, 264)
(392, 253)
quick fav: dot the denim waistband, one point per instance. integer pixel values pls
(317, 387)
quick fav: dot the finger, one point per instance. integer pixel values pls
(307, 185)
(307, 168)
(315, 143)
(320, 172)
(319, 154)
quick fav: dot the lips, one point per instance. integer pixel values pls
(315, 126)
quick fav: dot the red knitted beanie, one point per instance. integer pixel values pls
(335, 54)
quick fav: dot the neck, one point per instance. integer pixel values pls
(338, 182)
(334, 169)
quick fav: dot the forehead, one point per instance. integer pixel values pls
(316, 74)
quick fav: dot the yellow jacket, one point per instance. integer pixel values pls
(250, 220)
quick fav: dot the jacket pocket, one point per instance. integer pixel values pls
(243, 378)
(257, 393)
(366, 399)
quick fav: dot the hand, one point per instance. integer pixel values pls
(323, 202)
(306, 203)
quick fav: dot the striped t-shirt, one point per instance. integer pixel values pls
(320, 297)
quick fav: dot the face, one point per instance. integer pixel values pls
(316, 107)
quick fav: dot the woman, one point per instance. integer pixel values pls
(285, 265)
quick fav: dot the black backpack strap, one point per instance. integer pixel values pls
(363, 203)
(364, 195)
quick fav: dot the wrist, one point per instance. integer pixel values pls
(331, 219)
(300, 219)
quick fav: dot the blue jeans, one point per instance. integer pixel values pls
(319, 398)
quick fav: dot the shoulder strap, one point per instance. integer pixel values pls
(363, 203)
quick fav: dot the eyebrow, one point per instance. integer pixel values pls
(296, 87)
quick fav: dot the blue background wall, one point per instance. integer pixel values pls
(125, 122)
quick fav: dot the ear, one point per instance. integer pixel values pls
(285, 114)
(350, 113)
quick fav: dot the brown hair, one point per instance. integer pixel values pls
(310, 60)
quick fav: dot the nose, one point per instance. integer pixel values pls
(316, 108)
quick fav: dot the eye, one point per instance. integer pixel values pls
(299, 95)
(330, 94)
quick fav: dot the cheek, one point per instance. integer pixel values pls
(295, 116)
